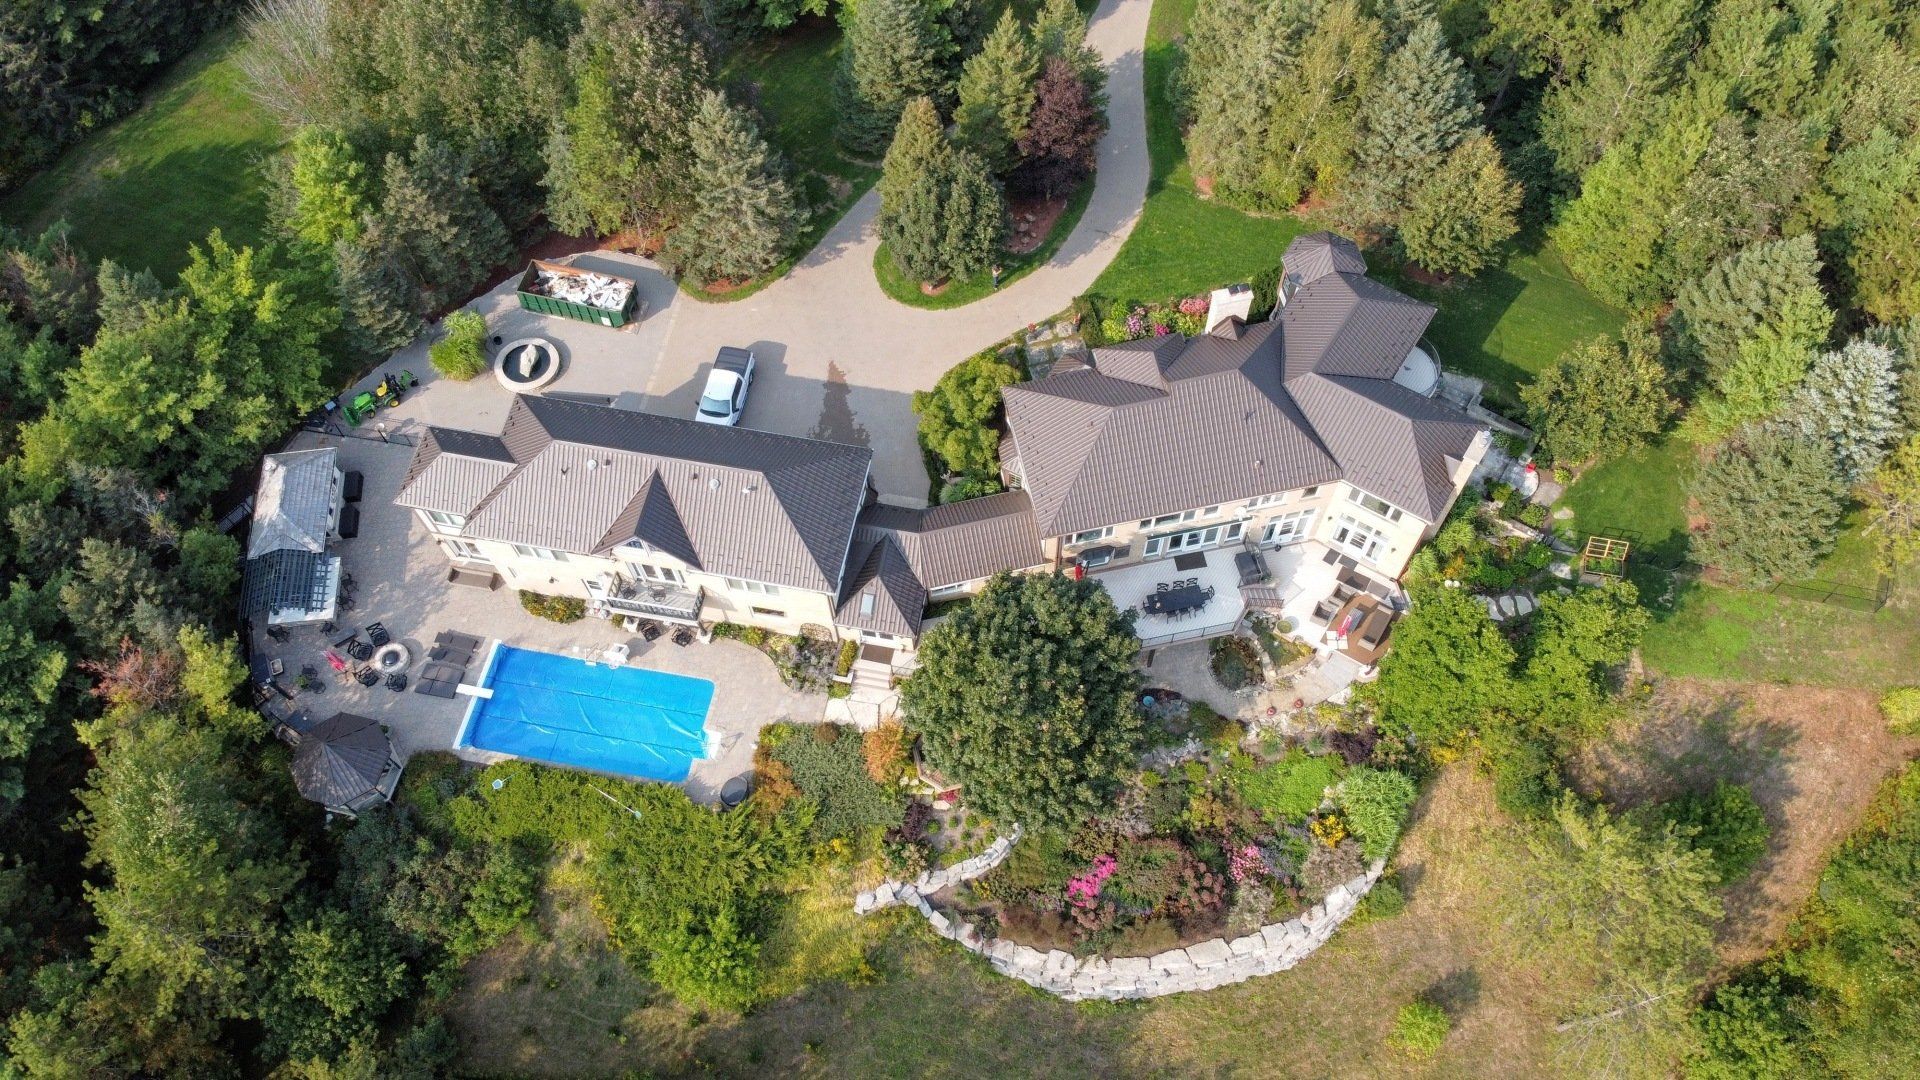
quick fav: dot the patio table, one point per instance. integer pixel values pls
(1174, 601)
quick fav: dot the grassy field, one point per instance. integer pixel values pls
(790, 77)
(186, 162)
(555, 1004)
(1639, 498)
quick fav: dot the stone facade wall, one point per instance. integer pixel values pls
(894, 892)
(1203, 966)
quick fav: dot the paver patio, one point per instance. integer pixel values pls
(401, 582)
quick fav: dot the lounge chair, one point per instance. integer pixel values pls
(457, 641)
(1373, 628)
(683, 636)
(451, 655)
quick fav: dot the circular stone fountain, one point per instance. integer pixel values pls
(526, 365)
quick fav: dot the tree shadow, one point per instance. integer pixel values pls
(1457, 992)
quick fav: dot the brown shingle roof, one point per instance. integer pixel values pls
(588, 478)
(1304, 398)
(903, 554)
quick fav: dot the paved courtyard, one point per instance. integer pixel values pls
(838, 359)
(401, 582)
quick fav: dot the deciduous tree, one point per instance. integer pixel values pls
(1893, 501)
(1027, 696)
(1062, 139)
(1449, 668)
(958, 416)
(1601, 399)
(1460, 214)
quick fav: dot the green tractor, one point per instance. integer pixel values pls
(386, 395)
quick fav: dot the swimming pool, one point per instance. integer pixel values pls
(565, 711)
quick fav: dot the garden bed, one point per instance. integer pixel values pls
(1190, 851)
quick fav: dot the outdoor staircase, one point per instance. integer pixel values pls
(871, 682)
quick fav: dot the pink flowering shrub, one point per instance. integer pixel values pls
(1193, 305)
(1136, 323)
(1159, 329)
(1246, 862)
(1085, 889)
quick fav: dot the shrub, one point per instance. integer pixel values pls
(833, 773)
(1383, 901)
(1287, 790)
(959, 417)
(849, 652)
(1420, 1028)
(1375, 802)
(458, 354)
(1235, 662)
(1901, 707)
(884, 750)
(968, 486)
(1147, 873)
(1725, 821)
(560, 609)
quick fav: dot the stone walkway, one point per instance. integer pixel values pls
(837, 358)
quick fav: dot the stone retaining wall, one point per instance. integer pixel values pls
(893, 892)
(1203, 966)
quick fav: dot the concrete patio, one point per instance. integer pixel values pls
(401, 582)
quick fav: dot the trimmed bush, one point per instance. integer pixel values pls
(459, 355)
(1235, 662)
(1420, 1028)
(560, 609)
(849, 652)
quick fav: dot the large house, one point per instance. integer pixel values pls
(1312, 433)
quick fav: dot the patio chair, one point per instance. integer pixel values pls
(650, 630)
(356, 648)
(397, 681)
(366, 676)
(377, 633)
(279, 634)
(683, 636)
(1326, 609)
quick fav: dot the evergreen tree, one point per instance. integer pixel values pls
(1773, 502)
(1618, 81)
(1458, 217)
(1604, 233)
(997, 94)
(1220, 38)
(1062, 141)
(1848, 402)
(940, 214)
(1744, 188)
(1869, 212)
(894, 52)
(1775, 283)
(377, 296)
(125, 295)
(976, 219)
(443, 231)
(1060, 29)
(913, 183)
(49, 284)
(623, 156)
(1419, 110)
(1892, 496)
(327, 189)
(745, 214)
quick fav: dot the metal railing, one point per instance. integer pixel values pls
(1189, 633)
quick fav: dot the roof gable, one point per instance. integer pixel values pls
(293, 506)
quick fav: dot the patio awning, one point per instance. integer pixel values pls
(341, 762)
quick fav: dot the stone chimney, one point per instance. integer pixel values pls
(1232, 302)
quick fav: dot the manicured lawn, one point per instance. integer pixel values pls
(1513, 320)
(1639, 498)
(791, 77)
(186, 162)
(959, 293)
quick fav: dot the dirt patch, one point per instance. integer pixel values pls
(1033, 220)
(1813, 757)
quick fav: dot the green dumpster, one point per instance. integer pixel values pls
(549, 288)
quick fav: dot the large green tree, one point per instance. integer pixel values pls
(895, 52)
(1419, 109)
(31, 667)
(745, 213)
(996, 94)
(941, 216)
(1775, 284)
(1773, 501)
(1449, 668)
(1892, 496)
(958, 417)
(1849, 401)
(1602, 398)
(1463, 211)
(1028, 697)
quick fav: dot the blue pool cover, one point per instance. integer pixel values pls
(630, 721)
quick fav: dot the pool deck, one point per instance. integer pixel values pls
(401, 582)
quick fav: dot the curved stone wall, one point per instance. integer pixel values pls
(893, 892)
(1212, 963)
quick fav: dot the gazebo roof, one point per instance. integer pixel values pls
(341, 760)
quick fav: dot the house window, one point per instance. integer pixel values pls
(1096, 558)
(1289, 528)
(659, 573)
(743, 585)
(1194, 539)
(1310, 492)
(866, 603)
(1354, 536)
(547, 554)
(769, 613)
(1266, 500)
(465, 549)
(1379, 506)
(1170, 519)
(946, 591)
(447, 521)
(1090, 535)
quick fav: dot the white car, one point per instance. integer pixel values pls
(725, 397)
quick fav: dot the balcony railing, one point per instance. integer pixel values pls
(654, 599)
